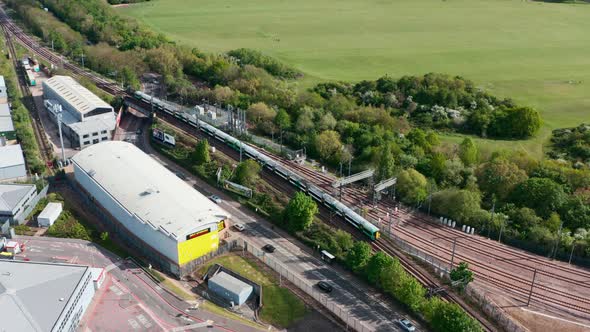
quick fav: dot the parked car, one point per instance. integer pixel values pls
(269, 248)
(215, 199)
(326, 287)
(407, 325)
(181, 176)
(239, 227)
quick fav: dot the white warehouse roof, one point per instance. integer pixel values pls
(78, 96)
(11, 155)
(31, 293)
(12, 194)
(51, 211)
(147, 189)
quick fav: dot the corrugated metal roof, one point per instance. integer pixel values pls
(230, 283)
(82, 99)
(11, 155)
(51, 210)
(12, 194)
(4, 109)
(147, 189)
(30, 293)
(6, 124)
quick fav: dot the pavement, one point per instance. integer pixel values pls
(360, 300)
(129, 299)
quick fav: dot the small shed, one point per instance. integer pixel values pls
(49, 214)
(231, 289)
(3, 91)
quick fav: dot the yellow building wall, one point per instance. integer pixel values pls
(197, 247)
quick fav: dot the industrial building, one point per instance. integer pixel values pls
(43, 297)
(155, 211)
(231, 289)
(49, 215)
(3, 90)
(12, 163)
(15, 199)
(7, 132)
(86, 119)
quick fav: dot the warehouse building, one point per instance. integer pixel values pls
(12, 163)
(15, 200)
(49, 215)
(153, 209)
(7, 132)
(43, 297)
(231, 289)
(3, 90)
(86, 119)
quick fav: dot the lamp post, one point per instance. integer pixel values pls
(57, 109)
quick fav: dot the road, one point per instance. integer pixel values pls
(363, 302)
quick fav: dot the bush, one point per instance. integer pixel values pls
(69, 227)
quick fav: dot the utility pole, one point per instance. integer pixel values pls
(501, 230)
(82, 59)
(492, 217)
(429, 197)
(58, 110)
(532, 286)
(52, 49)
(453, 254)
(572, 252)
(556, 246)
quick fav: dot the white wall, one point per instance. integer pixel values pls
(77, 304)
(167, 246)
(13, 172)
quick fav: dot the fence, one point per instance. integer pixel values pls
(442, 268)
(308, 288)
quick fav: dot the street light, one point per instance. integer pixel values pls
(57, 109)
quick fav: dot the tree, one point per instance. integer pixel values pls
(201, 155)
(328, 145)
(260, 112)
(540, 194)
(247, 172)
(468, 152)
(300, 212)
(376, 264)
(525, 122)
(437, 166)
(412, 186)
(385, 163)
(499, 177)
(457, 204)
(282, 119)
(344, 240)
(358, 256)
(104, 236)
(410, 292)
(449, 317)
(461, 274)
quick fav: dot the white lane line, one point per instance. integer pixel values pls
(556, 318)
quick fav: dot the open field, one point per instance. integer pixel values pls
(533, 52)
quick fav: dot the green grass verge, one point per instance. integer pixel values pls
(280, 307)
(534, 52)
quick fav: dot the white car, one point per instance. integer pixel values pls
(407, 325)
(239, 227)
(215, 199)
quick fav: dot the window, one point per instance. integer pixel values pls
(105, 138)
(95, 134)
(103, 132)
(85, 136)
(86, 142)
(94, 141)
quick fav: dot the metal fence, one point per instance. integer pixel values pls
(442, 268)
(338, 310)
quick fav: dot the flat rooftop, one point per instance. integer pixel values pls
(4, 110)
(12, 194)
(30, 293)
(82, 99)
(11, 155)
(105, 121)
(147, 189)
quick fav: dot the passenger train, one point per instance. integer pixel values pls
(318, 194)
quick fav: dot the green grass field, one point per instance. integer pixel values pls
(536, 53)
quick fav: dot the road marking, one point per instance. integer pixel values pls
(116, 290)
(134, 324)
(557, 318)
(144, 321)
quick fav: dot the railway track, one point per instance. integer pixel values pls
(114, 89)
(44, 146)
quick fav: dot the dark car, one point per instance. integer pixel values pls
(269, 248)
(326, 287)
